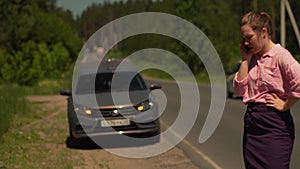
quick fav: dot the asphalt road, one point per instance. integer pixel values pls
(224, 148)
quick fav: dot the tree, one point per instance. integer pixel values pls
(34, 62)
(35, 43)
(218, 19)
(220, 24)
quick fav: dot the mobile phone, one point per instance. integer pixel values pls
(246, 48)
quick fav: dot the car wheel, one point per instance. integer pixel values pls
(72, 142)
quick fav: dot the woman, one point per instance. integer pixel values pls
(269, 81)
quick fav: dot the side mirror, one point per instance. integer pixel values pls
(65, 92)
(155, 86)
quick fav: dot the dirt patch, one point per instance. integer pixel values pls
(56, 120)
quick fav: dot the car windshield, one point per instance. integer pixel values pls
(103, 82)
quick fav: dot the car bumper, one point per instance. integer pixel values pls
(83, 134)
(92, 127)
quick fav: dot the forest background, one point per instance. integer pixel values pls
(40, 42)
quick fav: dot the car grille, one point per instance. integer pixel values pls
(127, 111)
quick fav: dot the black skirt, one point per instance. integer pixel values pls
(268, 137)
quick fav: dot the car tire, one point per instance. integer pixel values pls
(72, 142)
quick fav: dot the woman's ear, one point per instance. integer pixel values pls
(264, 32)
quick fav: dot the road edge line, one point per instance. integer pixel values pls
(194, 149)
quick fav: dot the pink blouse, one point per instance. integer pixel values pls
(275, 72)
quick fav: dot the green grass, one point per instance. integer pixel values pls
(155, 73)
(28, 140)
(51, 86)
(47, 87)
(202, 78)
(12, 98)
(36, 140)
(12, 101)
(158, 74)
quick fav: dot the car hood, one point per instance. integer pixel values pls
(111, 99)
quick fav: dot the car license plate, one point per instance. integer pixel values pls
(117, 122)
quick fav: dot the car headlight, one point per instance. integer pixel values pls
(88, 111)
(144, 106)
(83, 110)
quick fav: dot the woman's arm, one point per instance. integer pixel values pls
(243, 71)
(240, 79)
(244, 68)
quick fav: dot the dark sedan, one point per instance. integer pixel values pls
(123, 106)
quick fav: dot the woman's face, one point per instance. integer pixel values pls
(251, 39)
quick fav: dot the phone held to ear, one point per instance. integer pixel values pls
(245, 47)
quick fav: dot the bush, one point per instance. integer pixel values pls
(34, 62)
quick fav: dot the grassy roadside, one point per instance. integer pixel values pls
(11, 102)
(30, 137)
(36, 140)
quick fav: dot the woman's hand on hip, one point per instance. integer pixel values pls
(272, 100)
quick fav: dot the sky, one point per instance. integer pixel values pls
(77, 6)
